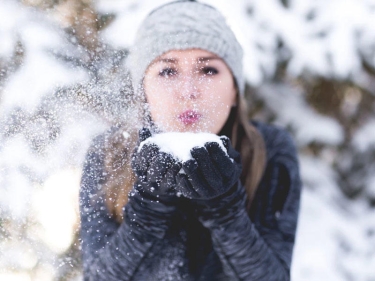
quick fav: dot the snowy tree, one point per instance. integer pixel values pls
(309, 65)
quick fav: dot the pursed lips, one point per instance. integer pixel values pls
(189, 117)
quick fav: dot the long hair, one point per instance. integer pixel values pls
(119, 147)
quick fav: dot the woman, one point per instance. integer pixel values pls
(236, 213)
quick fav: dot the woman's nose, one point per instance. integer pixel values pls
(189, 88)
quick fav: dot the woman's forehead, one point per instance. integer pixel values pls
(192, 55)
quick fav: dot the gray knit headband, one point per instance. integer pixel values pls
(184, 25)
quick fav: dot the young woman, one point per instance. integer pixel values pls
(236, 213)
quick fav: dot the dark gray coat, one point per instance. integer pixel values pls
(254, 245)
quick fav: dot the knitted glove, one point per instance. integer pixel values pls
(151, 203)
(155, 170)
(212, 183)
(211, 172)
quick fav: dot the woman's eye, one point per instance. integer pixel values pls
(210, 70)
(167, 72)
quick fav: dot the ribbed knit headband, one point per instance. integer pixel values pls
(184, 25)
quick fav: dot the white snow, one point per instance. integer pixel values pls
(11, 14)
(331, 243)
(129, 15)
(292, 110)
(40, 72)
(55, 207)
(179, 145)
(335, 238)
(365, 137)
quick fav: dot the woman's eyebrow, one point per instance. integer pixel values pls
(203, 59)
(167, 60)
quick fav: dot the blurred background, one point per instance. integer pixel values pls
(309, 65)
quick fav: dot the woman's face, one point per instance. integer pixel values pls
(189, 91)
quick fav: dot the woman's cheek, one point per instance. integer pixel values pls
(222, 116)
(162, 114)
(211, 120)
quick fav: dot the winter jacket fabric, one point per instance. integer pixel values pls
(215, 245)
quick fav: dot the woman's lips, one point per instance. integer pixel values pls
(189, 117)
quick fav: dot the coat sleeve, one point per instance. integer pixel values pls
(113, 251)
(258, 245)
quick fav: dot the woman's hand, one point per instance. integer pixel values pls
(155, 170)
(151, 204)
(211, 173)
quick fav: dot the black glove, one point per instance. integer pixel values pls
(151, 205)
(211, 173)
(155, 170)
